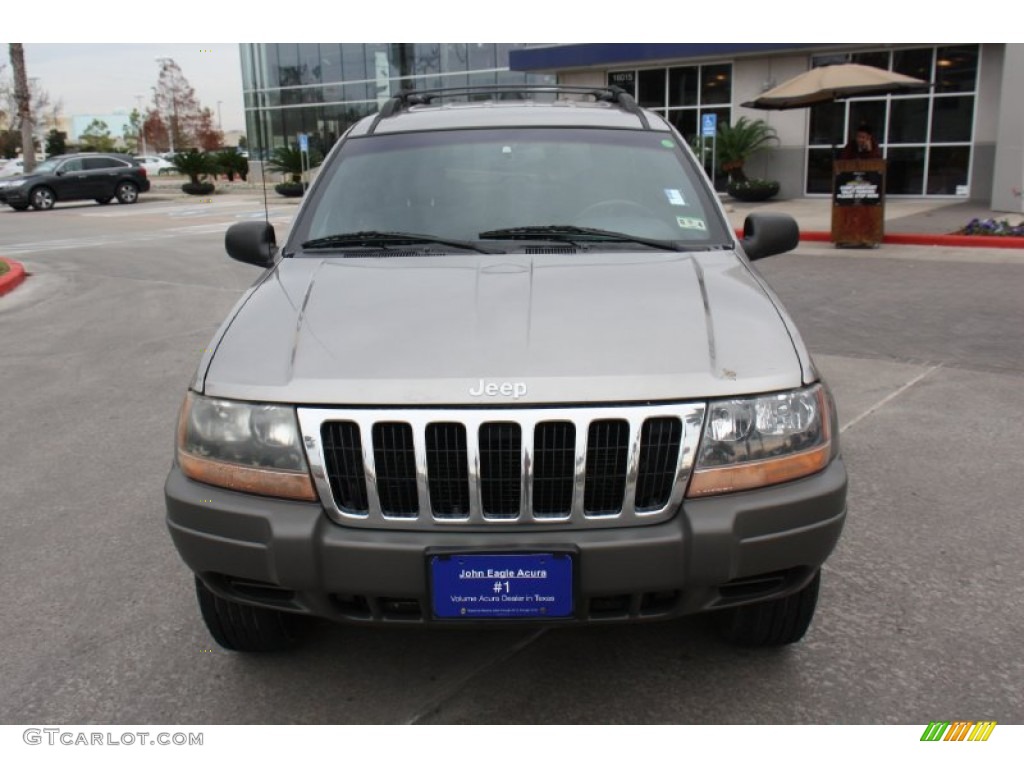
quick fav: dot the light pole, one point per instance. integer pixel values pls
(220, 123)
(142, 125)
(161, 60)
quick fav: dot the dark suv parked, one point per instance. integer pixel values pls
(88, 176)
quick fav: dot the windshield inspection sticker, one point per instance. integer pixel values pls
(667, 143)
(688, 223)
(675, 197)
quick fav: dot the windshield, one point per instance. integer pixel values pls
(47, 166)
(462, 184)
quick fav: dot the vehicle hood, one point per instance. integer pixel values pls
(508, 329)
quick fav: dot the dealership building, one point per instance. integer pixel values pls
(960, 139)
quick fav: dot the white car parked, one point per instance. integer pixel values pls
(154, 164)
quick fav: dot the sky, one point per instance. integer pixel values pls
(103, 78)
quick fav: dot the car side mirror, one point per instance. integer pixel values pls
(251, 242)
(766, 234)
(61, 172)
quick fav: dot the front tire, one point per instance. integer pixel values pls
(42, 198)
(246, 628)
(126, 193)
(773, 623)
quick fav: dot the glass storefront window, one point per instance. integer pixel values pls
(952, 117)
(819, 171)
(683, 86)
(870, 113)
(947, 170)
(624, 80)
(353, 62)
(322, 88)
(651, 88)
(956, 69)
(827, 123)
(905, 174)
(716, 84)
(926, 137)
(482, 56)
(916, 62)
(908, 121)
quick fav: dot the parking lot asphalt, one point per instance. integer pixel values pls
(921, 607)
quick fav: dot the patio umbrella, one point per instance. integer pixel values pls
(838, 81)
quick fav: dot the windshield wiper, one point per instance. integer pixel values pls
(570, 232)
(372, 238)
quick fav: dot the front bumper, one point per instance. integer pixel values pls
(716, 552)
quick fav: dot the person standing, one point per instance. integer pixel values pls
(862, 147)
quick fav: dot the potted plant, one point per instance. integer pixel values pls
(197, 166)
(230, 162)
(735, 145)
(288, 160)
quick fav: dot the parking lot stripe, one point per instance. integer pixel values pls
(890, 396)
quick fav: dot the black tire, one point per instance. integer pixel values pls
(42, 198)
(104, 200)
(246, 628)
(19, 206)
(773, 623)
(126, 193)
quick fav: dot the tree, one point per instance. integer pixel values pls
(24, 100)
(56, 142)
(96, 137)
(133, 131)
(176, 103)
(288, 160)
(208, 136)
(155, 130)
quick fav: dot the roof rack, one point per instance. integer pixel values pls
(612, 94)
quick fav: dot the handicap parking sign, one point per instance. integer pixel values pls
(303, 142)
(708, 124)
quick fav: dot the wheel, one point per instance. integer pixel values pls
(126, 193)
(773, 623)
(246, 628)
(42, 198)
(104, 200)
(612, 207)
(19, 206)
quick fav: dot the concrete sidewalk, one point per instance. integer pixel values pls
(924, 217)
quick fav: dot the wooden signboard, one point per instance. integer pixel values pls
(858, 203)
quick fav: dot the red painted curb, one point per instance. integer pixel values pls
(12, 278)
(950, 241)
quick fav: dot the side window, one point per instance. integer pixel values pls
(100, 163)
(72, 166)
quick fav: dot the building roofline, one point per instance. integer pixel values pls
(579, 55)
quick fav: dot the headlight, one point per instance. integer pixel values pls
(764, 440)
(13, 184)
(243, 446)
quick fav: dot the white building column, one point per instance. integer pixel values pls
(1008, 178)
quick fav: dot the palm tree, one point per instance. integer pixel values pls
(737, 142)
(289, 160)
(197, 166)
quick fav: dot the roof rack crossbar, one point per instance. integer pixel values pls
(611, 94)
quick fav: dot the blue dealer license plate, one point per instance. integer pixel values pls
(508, 586)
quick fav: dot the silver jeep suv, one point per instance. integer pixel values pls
(510, 366)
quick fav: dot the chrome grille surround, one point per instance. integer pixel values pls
(312, 420)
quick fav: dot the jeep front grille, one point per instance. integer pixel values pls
(594, 467)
